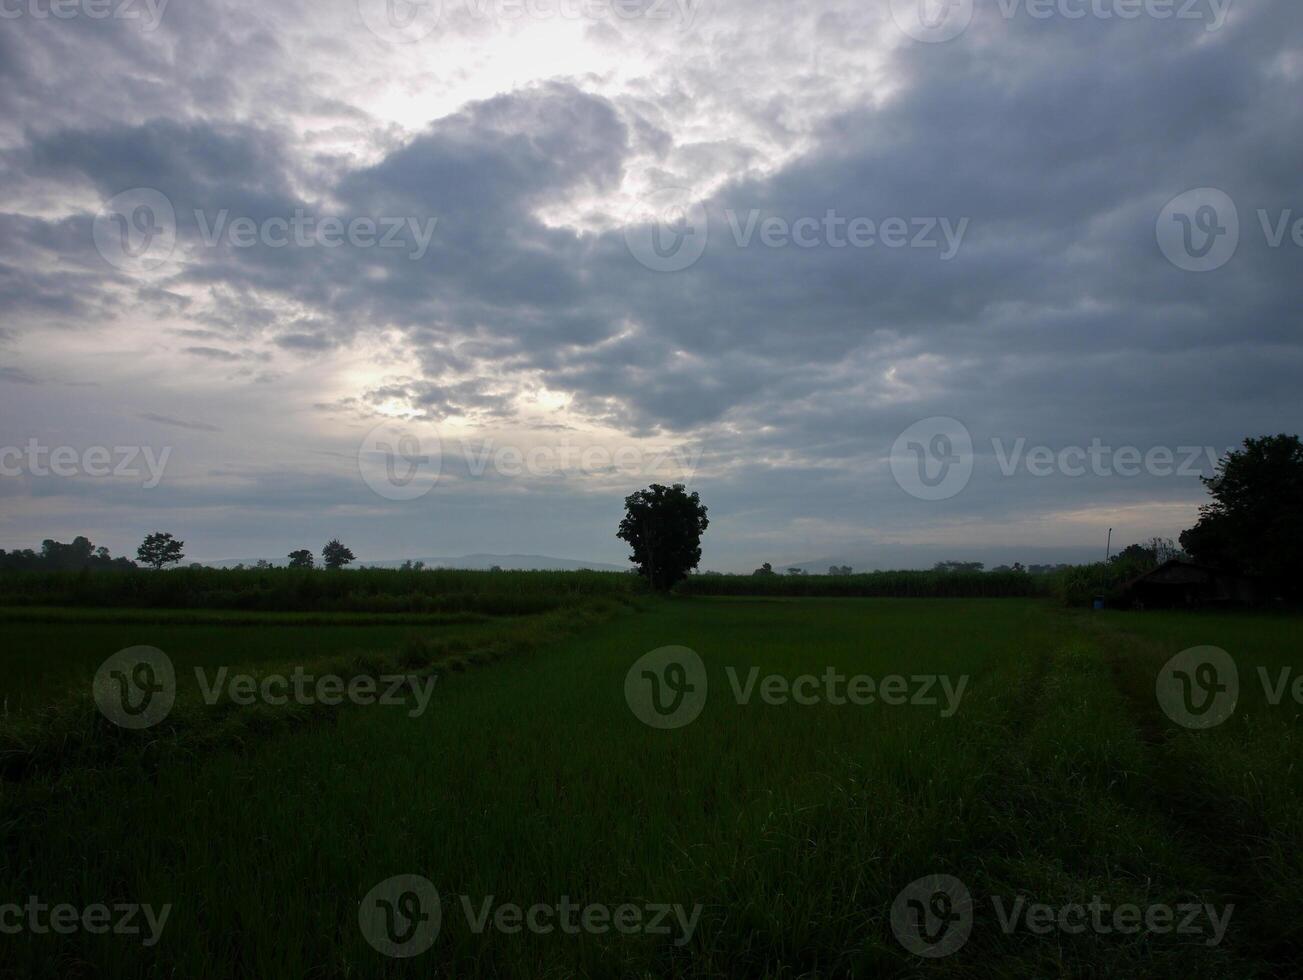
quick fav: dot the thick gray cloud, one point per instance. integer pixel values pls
(1032, 156)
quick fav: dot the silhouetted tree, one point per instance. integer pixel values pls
(959, 566)
(159, 549)
(1254, 523)
(664, 525)
(335, 555)
(300, 559)
(765, 569)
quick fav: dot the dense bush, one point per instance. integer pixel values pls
(904, 584)
(291, 590)
(1078, 585)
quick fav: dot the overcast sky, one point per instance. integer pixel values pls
(884, 281)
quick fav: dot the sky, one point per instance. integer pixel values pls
(885, 281)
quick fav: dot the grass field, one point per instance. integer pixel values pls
(1037, 765)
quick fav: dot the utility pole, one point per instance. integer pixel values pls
(1108, 549)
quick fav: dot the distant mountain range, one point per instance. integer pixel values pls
(505, 562)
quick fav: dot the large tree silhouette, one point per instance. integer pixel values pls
(664, 525)
(1254, 523)
(159, 549)
(335, 555)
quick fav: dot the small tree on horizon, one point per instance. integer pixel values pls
(334, 555)
(664, 525)
(159, 549)
(300, 559)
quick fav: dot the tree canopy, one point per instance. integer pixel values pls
(1254, 522)
(159, 549)
(335, 555)
(663, 526)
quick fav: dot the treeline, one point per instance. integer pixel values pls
(57, 556)
(902, 584)
(302, 590)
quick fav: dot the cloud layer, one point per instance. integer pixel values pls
(771, 240)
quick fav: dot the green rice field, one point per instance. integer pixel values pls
(826, 755)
